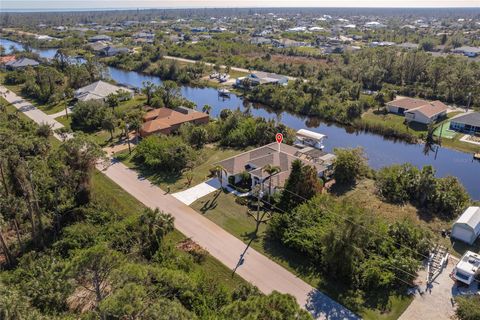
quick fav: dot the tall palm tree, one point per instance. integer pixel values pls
(218, 171)
(271, 170)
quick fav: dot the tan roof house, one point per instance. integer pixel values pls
(418, 110)
(166, 120)
(99, 91)
(282, 155)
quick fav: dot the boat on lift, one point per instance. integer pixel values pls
(224, 92)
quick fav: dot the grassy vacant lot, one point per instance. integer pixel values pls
(395, 121)
(177, 181)
(231, 216)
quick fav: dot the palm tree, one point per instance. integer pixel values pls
(271, 170)
(148, 89)
(206, 109)
(218, 171)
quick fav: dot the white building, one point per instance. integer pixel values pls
(467, 227)
(467, 268)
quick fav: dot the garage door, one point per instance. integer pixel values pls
(462, 234)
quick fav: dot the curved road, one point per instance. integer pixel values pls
(257, 269)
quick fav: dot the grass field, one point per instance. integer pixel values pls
(395, 121)
(177, 181)
(231, 216)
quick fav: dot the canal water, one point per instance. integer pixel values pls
(380, 151)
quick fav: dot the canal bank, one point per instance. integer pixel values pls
(379, 150)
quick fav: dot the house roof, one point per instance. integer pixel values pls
(268, 154)
(98, 90)
(164, 118)
(267, 77)
(428, 108)
(22, 62)
(472, 119)
(6, 59)
(431, 108)
(471, 217)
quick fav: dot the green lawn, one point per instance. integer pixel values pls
(231, 216)
(177, 182)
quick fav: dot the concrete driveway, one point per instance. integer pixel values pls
(192, 194)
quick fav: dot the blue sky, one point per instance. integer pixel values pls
(102, 4)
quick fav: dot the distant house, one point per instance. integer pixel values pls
(257, 78)
(147, 37)
(166, 120)
(468, 123)
(287, 43)
(282, 156)
(467, 226)
(418, 110)
(21, 63)
(99, 91)
(260, 40)
(468, 51)
(100, 37)
(113, 51)
(408, 46)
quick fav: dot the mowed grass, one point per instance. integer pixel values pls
(209, 155)
(222, 209)
(109, 193)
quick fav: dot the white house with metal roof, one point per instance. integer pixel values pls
(467, 227)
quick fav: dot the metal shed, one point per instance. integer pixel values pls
(467, 227)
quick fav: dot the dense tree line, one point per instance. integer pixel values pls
(406, 183)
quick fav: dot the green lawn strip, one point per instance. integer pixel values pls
(109, 193)
(456, 144)
(177, 181)
(233, 218)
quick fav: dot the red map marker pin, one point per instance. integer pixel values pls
(279, 137)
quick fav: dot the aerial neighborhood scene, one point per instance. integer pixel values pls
(263, 160)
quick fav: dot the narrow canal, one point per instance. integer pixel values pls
(380, 151)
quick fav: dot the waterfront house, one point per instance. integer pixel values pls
(100, 37)
(166, 120)
(280, 155)
(418, 110)
(100, 90)
(468, 123)
(110, 51)
(21, 63)
(257, 78)
(467, 226)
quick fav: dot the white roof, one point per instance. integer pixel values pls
(471, 217)
(469, 264)
(310, 134)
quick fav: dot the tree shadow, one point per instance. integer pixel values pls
(339, 189)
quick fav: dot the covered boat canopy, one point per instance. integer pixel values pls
(310, 134)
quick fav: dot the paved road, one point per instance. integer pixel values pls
(257, 269)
